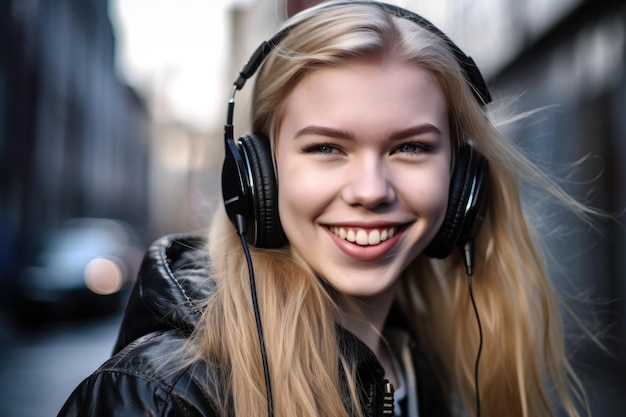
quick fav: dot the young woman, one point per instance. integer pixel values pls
(373, 160)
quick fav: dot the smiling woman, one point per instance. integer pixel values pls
(342, 162)
(373, 161)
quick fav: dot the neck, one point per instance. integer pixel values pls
(366, 316)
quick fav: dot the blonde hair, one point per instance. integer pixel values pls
(524, 361)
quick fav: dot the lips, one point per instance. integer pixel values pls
(362, 236)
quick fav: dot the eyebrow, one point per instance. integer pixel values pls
(324, 131)
(343, 134)
(416, 131)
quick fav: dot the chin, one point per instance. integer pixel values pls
(357, 288)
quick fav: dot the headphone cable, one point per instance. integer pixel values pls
(241, 231)
(468, 260)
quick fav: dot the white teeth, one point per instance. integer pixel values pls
(364, 237)
(361, 238)
(373, 238)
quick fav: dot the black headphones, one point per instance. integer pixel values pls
(249, 183)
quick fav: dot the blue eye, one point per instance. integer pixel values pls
(413, 148)
(323, 148)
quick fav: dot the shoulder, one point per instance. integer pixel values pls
(145, 378)
(173, 282)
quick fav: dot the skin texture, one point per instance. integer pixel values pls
(363, 147)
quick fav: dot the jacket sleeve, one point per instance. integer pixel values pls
(122, 394)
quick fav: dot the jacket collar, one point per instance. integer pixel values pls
(172, 282)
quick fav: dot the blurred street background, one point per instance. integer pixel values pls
(111, 119)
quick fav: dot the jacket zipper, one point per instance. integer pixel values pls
(388, 399)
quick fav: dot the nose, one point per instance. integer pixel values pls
(368, 184)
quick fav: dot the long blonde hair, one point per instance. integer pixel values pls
(524, 363)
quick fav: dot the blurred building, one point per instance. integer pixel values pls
(174, 54)
(73, 138)
(573, 58)
(566, 58)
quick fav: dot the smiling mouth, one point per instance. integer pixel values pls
(364, 237)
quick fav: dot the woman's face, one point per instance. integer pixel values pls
(363, 169)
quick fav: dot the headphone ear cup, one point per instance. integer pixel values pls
(236, 191)
(465, 203)
(265, 229)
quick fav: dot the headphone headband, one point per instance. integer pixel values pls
(467, 64)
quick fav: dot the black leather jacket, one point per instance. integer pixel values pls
(160, 315)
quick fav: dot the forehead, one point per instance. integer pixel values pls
(374, 94)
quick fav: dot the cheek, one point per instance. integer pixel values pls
(302, 194)
(430, 197)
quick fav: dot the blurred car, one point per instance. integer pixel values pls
(85, 267)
